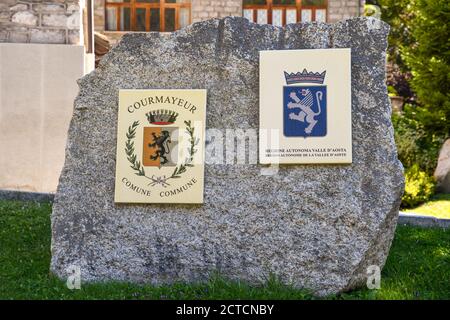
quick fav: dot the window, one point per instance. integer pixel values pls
(282, 12)
(147, 15)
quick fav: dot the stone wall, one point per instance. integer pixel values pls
(207, 9)
(41, 21)
(344, 9)
(99, 15)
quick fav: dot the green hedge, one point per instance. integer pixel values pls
(415, 144)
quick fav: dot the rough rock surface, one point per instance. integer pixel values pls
(442, 172)
(314, 226)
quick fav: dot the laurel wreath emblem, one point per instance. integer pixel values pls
(137, 166)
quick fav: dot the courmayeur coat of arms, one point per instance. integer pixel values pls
(160, 146)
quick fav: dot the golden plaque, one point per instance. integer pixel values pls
(160, 146)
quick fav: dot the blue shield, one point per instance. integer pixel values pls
(305, 111)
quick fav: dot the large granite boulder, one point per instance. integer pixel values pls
(313, 226)
(442, 172)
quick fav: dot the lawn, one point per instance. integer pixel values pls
(418, 267)
(438, 206)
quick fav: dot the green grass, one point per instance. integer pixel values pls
(418, 267)
(438, 206)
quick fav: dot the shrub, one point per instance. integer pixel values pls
(419, 187)
(418, 150)
(415, 144)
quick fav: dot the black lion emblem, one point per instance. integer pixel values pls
(162, 143)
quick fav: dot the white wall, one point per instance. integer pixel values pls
(37, 90)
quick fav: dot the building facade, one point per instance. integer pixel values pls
(61, 21)
(114, 17)
(42, 54)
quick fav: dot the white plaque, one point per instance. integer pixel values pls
(305, 106)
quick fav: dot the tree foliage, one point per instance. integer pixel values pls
(428, 59)
(419, 43)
